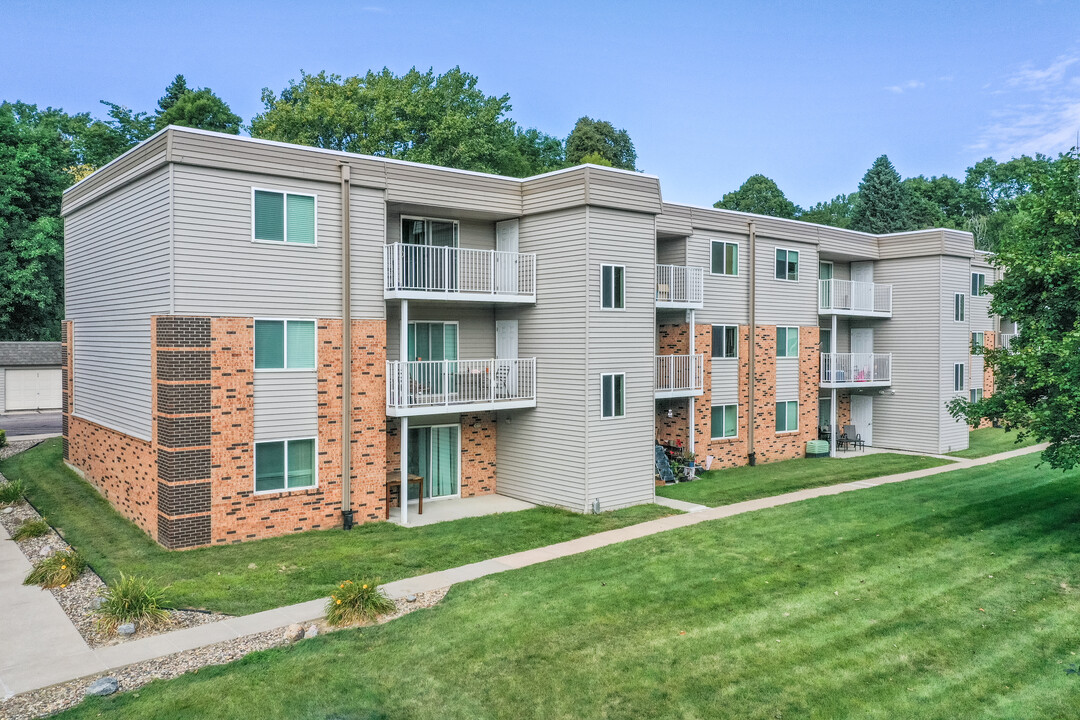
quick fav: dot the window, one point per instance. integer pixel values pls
(612, 287)
(725, 421)
(787, 264)
(284, 344)
(958, 307)
(978, 284)
(958, 370)
(283, 217)
(612, 401)
(284, 465)
(725, 258)
(725, 341)
(978, 340)
(825, 335)
(423, 231)
(976, 394)
(787, 416)
(787, 342)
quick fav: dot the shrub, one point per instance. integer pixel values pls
(3, 438)
(58, 570)
(133, 599)
(12, 492)
(356, 601)
(30, 529)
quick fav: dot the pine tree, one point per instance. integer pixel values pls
(882, 204)
(176, 90)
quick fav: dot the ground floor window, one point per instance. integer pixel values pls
(284, 465)
(787, 416)
(725, 421)
(612, 395)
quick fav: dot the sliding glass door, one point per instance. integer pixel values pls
(433, 454)
(430, 267)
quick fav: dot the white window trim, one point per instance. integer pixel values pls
(457, 227)
(983, 284)
(738, 258)
(972, 391)
(724, 358)
(797, 412)
(285, 218)
(286, 489)
(285, 339)
(960, 303)
(798, 269)
(612, 309)
(612, 375)
(974, 344)
(962, 377)
(738, 418)
(798, 349)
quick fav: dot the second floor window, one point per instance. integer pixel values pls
(978, 339)
(284, 344)
(725, 258)
(725, 341)
(958, 377)
(787, 342)
(612, 287)
(283, 217)
(787, 264)
(978, 284)
(976, 394)
(958, 307)
(613, 395)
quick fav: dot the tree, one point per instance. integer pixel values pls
(175, 90)
(835, 212)
(1037, 381)
(200, 109)
(995, 189)
(600, 137)
(438, 119)
(595, 158)
(759, 195)
(882, 205)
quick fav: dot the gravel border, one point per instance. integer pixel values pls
(15, 447)
(50, 700)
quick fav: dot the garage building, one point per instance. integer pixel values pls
(30, 377)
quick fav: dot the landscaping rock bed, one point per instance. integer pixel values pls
(14, 448)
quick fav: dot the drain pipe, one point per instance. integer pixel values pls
(693, 371)
(403, 424)
(832, 398)
(346, 350)
(751, 455)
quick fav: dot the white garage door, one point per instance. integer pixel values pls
(32, 389)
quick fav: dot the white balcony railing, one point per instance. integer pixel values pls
(419, 386)
(854, 369)
(849, 297)
(679, 286)
(679, 375)
(426, 271)
(1004, 340)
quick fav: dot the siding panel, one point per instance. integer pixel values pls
(286, 405)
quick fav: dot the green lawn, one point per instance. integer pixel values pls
(954, 596)
(990, 441)
(723, 487)
(288, 569)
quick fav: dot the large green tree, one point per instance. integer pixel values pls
(438, 119)
(760, 195)
(882, 204)
(599, 137)
(835, 212)
(1037, 381)
(195, 108)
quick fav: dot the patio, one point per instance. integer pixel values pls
(436, 511)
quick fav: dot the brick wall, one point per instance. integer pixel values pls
(726, 452)
(988, 377)
(478, 453)
(67, 383)
(674, 430)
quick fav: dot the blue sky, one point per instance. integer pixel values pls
(806, 93)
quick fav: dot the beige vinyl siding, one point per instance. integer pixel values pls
(785, 302)
(3, 390)
(142, 159)
(435, 187)
(623, 190)
(674, 220)
(286, 405)
(620, 450)
(976, 367)
(554, 191)
(726, 296)
(671, 251)
(116, 254)
(847, 242)
(540, 455)
(725, 379)
(955, 347)
(787, 379)
(476, 326)
(472, 234)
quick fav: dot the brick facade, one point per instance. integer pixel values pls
(990, 342)
(478, 432)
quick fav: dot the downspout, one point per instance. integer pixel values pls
(346, 350)
(751, 455)
(832, 400)
(693, 370)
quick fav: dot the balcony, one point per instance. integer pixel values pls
(1004, 340)
(426, 272)
(859, 299)
(855, 370)
(426, 387)
(678, 376)
(678, 286)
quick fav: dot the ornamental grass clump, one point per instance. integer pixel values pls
(30, 529)
(354, 602)
(58, 570)
(133, 599)
(12, 492)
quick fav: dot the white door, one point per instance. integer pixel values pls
(506, 266)
(862, 348)
(862, 288)
(506, 349)
(862, 416)
(32, 389)
(862, 340)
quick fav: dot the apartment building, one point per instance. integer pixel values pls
(531, 337)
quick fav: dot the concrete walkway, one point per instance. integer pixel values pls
(29, 659)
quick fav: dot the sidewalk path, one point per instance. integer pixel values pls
(28, 663)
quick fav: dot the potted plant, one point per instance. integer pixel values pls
(688, 463)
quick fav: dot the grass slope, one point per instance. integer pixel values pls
(732, 485)
(990, 441)
(948, 597)
(288, 569)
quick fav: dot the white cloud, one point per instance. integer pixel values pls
(902, 87)
(1041, 79)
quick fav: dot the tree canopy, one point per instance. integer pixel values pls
(882, 205)
(590, 138)
(760, 195)
(195, 108)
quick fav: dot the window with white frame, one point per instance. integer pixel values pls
(976, 394)
(725, 341)
(958, 371)
(285, 465)
(787, 416)
(725, 258)
(787, 342)
(613, 395)
(978, 284)
(284, 344)
(978, 340)
(725, 421)
(612, 287)
(787, 264)
(958, 307)
(283, 217)
(825, 338)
